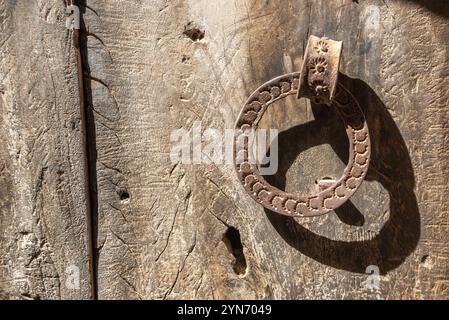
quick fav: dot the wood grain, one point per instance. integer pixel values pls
(166, 240)
(168, 230)
(43, 226)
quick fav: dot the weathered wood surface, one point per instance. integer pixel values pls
(168, 230)
(166, 239)
(43, 228)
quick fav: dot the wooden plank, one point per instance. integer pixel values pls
(164, 229)
(43, 225)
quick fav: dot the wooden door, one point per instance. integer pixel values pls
(89, 192)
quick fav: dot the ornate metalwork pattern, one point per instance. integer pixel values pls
(333, 194)
(319, 73)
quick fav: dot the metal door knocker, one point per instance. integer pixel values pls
(317, 81)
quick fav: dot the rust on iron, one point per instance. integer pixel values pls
(317, 80)
(319, 72)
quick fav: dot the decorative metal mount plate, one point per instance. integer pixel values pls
(317, 81)
(319, 73)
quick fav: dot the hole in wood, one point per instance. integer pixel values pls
(193, 32)
(232, 240)
(424, 258)
(123, 194)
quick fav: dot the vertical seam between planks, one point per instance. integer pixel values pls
(80, 43)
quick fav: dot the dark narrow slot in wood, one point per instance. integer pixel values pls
(89, 140)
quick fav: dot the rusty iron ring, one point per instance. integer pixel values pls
(320, 85)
